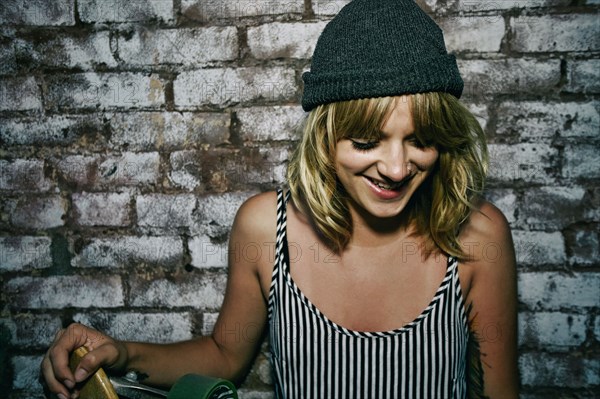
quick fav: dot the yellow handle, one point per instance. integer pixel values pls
(98, 386)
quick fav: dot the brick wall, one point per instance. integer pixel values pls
(132, 130)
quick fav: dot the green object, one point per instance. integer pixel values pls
(193, 386)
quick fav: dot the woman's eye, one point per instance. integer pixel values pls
(416, 142)
(363, 146)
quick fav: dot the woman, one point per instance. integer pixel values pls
(392, 278)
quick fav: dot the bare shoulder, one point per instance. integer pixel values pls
(486, 232)
(257, 216)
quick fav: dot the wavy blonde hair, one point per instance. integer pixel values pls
(440, 205)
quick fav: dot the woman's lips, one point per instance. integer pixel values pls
(388, 191)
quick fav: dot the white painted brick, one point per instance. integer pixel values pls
(480, 111)
(37, 12)
(179, 46)
(270, 169)
(284, 40)
(125, 10)
(23, 175)
(101, 209)
(270, 123)
(225, 169)
(526, 162)
(105, 90)
(20, 94)
(262, 368)
(477, 34)
(48, 131)
(226, 86)
(472, 6)
(584, 76)
(539, 248)
(581, 161)
(206, 253)
(37, 213)
(553, 331)
(27, 373)
(19, 253)
(505, 200)
(206, 10)
(591, 210)
(558, 370)
(208, 323)
(199, 292)
(32, 331)
(163, 210)
(185, 170)
(125, 251)
(532, 119)
(84, 52)
(220, 209)
(141, 327)
(7, 55)
(95, 172)
(277, 153)
(552, 291)
(261, 371)
(130, 169)
(584, 248)
(551, 207)
(328, 7)
(246, 393)
(57, 292)
(570, 32)
(169, 129)
(508, 76)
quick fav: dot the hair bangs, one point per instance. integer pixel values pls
(439, 121)
(360, 119)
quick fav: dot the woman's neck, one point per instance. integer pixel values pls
(370, 231)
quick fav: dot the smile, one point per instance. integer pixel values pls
(393, 186)
(381, 188)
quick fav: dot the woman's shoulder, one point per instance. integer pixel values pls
(486, 218)
(486, 230)
(257, 216)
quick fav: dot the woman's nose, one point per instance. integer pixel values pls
(393, 165)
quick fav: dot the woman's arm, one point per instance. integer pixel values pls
(492, 299)
(226, 353)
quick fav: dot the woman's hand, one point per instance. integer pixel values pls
(103, 351)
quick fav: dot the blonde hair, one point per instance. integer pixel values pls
(440, 205)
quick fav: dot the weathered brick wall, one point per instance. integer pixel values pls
(132, 130)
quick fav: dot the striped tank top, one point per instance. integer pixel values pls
(313, 357)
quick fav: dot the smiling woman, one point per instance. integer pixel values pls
(382, 204)
(390, 141)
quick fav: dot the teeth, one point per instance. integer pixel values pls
(387, 187)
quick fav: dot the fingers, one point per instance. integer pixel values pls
(66, 341)
(53, 384)
(92, 361)
(55, 366)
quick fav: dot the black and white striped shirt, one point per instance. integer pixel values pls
(314, 357)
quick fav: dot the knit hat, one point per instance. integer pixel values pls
(378, 48)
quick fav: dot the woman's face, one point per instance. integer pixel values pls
(381, 176)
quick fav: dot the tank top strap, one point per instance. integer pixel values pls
(281, 249)
(282, 200)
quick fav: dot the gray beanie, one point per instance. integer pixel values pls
(377, 48)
